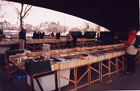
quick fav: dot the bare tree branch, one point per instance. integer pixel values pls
(1, 9)
(25, 15)
(1, 3)
(16, 9)
(23, 12)
(18, 17)
(26, 8)
(22, 5)
(27, 11)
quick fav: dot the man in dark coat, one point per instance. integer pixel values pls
(58, 35)
(22, 37)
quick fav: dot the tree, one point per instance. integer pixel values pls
(1, 14)
(1, 4)
(23, 12)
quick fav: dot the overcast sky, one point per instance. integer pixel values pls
(38, 15)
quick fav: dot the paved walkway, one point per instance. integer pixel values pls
(118, 82)
(115, 82)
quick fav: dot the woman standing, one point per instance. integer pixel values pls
(68, 39)
(131, 52)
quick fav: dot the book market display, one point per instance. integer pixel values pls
(74, 58)
(37, 44)
(35, 41)
(86, 55)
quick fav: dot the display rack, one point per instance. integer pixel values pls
(75, 58)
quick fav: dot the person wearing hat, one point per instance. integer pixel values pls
(131, 52)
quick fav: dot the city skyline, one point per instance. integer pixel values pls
(38, 15)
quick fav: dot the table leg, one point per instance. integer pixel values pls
(59, 80)
(31, 83)
(39, 84)
(89, 75)
(75, 78)
(56, 81)
(99, 72)
(8, 71)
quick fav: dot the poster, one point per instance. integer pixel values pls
(46, 51)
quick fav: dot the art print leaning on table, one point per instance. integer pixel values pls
(46, 51)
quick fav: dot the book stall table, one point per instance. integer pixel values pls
(105, 57)
(37, 44)
(58, 43)
(19, 64)
(86, 56)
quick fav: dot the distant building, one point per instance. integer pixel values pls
(28, 26)
(52, 27)
(7, 25)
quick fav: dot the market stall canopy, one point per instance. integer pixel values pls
(115, 15)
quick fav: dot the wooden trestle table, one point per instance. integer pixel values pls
(113, 56)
